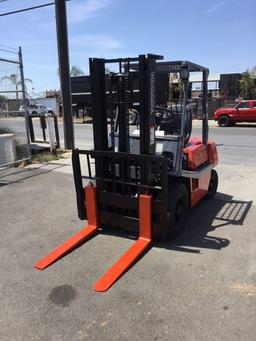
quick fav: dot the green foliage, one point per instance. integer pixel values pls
(5, 130)
(16, 82)
(76, 71)
(175, 87)
(14, 79)
(248, 84)
(47, 157)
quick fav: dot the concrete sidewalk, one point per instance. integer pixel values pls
(198, 287)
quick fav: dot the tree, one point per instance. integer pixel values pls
(2, 98)
(175, 87)
(16, 82)
(76, 71)
(248, 84)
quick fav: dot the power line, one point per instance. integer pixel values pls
(25, 9)
(8, 51)
(9, 48)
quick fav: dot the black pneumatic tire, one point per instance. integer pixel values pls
(213, 185)
(224, 121)
(178, 209)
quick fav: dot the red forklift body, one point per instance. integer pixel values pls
(198, 154)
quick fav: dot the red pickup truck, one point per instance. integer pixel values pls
(245, 111)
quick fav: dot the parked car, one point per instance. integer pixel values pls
(35, 109)
(245, 111)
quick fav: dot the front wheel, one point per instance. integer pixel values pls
(224, 121)
(178, 209)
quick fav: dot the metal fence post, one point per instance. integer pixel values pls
(24, 101)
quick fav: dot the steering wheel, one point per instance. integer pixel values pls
(170, 121)
(168, 117)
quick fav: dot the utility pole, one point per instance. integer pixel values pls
(64, 71)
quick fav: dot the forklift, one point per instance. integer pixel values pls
(143, 180)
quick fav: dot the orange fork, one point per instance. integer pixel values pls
(87, 231)
(126, 260)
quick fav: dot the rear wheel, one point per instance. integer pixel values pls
(224, 121)
(178, 209)
(213, 185)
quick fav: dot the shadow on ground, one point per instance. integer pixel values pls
(207, 216)
(9, 176)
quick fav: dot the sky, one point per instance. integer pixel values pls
(219, 34)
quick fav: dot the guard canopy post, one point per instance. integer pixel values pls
(205, 107)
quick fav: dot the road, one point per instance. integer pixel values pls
(236, 145)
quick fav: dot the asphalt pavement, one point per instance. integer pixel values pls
(200, 286)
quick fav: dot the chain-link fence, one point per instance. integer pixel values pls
(14, 135)
(213, 104)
